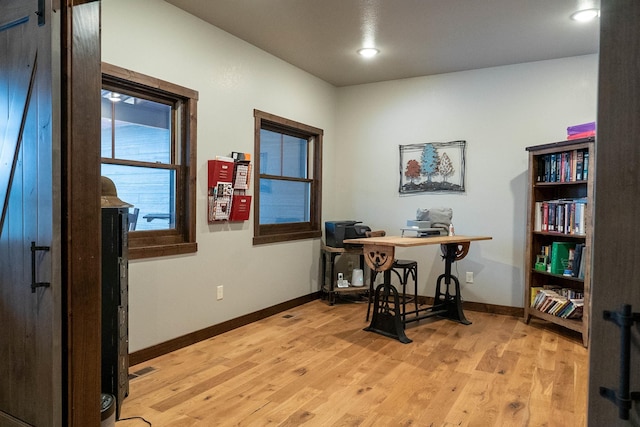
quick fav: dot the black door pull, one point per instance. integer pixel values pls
(34, 283)
(622, 398)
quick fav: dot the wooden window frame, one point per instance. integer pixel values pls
(181, 239)
(272, 233)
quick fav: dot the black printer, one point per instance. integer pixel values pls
(336, 232)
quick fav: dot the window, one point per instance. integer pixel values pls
(288, 182)
(148, 149)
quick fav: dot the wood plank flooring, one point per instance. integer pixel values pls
(315, 366)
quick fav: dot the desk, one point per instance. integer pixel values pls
(331, 290)
(379, 253)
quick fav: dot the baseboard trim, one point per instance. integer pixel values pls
(206, 333)
(203, 334)
(492, 308)
(482, 307)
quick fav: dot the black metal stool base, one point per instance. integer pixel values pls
(403, 269)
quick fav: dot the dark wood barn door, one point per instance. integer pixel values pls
(614, 395)
(30, 347)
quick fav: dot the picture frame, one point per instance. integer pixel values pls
(432, 167)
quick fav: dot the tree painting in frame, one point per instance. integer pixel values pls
(432, 167)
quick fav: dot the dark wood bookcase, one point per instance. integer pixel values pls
(115, 304)
(541, 189)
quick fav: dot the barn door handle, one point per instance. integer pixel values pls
(35, 284)
(622, 398)
(40, 13)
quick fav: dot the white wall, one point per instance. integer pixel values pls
(173, 296)
(498, 111)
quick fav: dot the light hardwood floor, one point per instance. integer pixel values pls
(315, 366)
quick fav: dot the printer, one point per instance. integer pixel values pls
(336, 232)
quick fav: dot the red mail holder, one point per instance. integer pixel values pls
(240, 208)
(220, 171)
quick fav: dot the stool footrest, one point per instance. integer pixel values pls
(403, 269)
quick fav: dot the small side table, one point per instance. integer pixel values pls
(331, 289)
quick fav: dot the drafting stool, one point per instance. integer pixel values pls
(404, 269)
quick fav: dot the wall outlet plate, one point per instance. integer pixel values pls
(469, 277)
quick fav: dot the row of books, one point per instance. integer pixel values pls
(565, 216)
(563, 258)
(556, 303)
(568, 166)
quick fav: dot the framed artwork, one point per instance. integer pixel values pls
(432, 167)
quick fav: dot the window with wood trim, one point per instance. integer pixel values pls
(288, 180)
(148, 149)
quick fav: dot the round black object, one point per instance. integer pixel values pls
(107, 406)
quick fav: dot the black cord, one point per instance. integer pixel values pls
(135, 418)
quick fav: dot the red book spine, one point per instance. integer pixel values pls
(545, 216)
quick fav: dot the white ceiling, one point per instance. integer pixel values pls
(415, 37)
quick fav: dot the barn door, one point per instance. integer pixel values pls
(614, 365)
(30, 352)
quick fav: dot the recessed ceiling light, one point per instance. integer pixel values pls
(114, 97)
(585, 15)
(368, 52)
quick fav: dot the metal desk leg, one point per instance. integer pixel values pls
(451, 303)
(386, 320)
(332, 294)
(324, 275)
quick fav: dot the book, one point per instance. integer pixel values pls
(545, 216)
(560, 217)
(540, 170)
(568, 270)
(537, 221)
(580, 218)
(577, 259)
(566, 167)
(578, 305)
(572, 218)
(547, 168)
(585, 165)
(579, 166)
(551, 223)
(582, 263)
(534, 294)
(560, 256)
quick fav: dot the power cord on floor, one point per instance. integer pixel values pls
(134, 418)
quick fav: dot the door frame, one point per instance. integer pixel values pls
(79, 167)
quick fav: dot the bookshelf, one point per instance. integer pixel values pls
(559, 216)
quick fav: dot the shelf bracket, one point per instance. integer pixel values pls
(622, 398)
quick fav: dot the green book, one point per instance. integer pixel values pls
(560, 256)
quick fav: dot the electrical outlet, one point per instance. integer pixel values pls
(469, 276)
(220, 288)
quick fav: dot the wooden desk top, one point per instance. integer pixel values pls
(348, 249)
(414, 241)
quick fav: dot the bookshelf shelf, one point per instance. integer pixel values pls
(556, 184)
(558, 276)
(563, 235)
(574, 325)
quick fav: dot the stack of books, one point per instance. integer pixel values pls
(568, 166)
(566, 216)
(565, 303)
(583, 130)
(563, 258)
